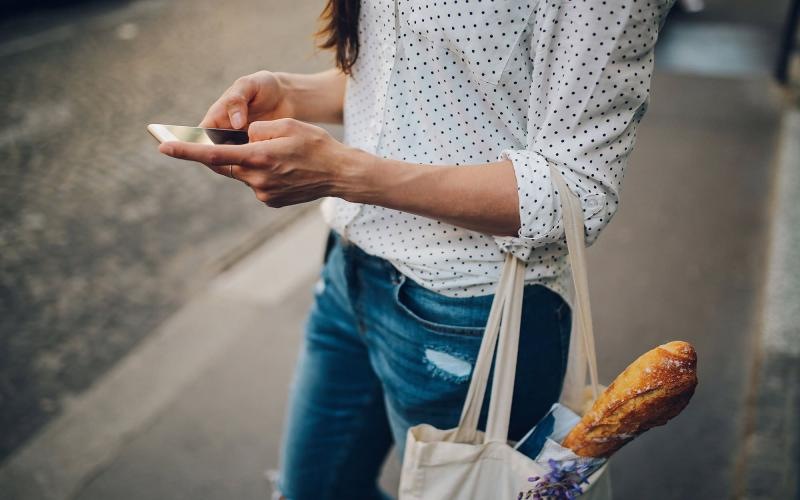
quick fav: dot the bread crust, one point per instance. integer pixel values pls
(649, 392)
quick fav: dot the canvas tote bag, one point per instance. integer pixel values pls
(466, 464)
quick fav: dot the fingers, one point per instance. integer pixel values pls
(273, 129)
(216, 117)
(230, 110)
(211, 155)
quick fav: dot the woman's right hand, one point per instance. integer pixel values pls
(256, 97)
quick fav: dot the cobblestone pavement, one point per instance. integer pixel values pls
(101, 238)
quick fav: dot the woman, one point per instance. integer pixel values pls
(453, 111)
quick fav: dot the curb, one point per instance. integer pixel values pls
(771, 454)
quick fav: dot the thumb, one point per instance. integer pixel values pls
(238, 100)
(237, 112)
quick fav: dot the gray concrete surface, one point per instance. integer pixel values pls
(220, 435)
(102, 238)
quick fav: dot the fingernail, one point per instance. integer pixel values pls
(167, 150)
(236, 120)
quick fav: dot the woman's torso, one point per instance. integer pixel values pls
(441, 83)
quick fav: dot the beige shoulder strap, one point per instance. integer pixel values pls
(502, 331)
(583, 329)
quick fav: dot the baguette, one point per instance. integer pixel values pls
(652, 390)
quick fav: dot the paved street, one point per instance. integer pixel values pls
(161, 357)
(102, 239)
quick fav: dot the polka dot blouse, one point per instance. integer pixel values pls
(538, 82)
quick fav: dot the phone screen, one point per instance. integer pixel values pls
(200, 135)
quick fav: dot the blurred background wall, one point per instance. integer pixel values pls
(108, 249)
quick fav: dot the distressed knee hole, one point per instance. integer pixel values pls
(273, 478)
(448, 366)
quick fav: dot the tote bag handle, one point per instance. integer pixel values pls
(503, 325)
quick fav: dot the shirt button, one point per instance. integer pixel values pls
(594, 203)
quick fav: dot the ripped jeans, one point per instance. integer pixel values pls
(381, 354)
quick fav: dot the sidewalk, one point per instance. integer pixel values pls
(196, 411)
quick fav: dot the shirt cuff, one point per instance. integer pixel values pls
(539, 205)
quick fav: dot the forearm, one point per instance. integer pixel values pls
(317, 97)
(481, 198)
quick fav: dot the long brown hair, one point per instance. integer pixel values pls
(339, 31)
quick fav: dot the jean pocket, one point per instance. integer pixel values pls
(463, 316)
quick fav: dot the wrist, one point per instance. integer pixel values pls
(356, 180)
(370, 179)
(288, 89)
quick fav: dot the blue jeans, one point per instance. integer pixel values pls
(381, 354)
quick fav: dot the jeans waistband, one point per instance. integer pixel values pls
(356, 255)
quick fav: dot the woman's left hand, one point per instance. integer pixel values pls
(286, 161)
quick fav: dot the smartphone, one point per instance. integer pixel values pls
(199, 135)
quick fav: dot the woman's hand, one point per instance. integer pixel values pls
(318, 97)
(289, 162)
(286, 162)
(260, 96)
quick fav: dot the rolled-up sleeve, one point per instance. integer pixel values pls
(589, 89)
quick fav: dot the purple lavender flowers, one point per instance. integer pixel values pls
(563, 482)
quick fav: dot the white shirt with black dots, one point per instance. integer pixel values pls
(538, 82)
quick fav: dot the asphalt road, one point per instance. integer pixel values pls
(101, 237)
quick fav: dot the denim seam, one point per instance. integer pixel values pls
(564, 346)
(337, 464)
